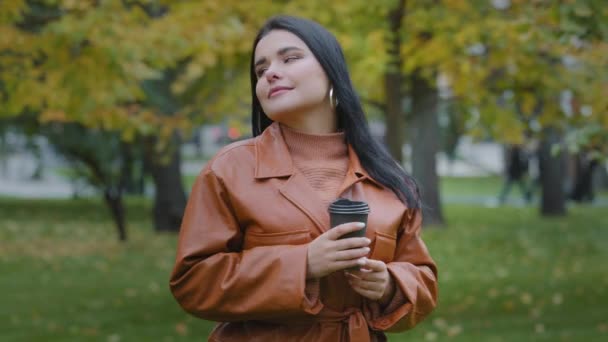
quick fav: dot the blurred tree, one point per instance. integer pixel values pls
(129, 68)
(155, 68)
(103, 160)
(534, 52)
(508, 62)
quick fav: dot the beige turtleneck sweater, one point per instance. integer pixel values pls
(321, 158)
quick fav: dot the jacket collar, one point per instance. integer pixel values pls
(271, 154)
(273, 158)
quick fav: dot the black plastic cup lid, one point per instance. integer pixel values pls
(345, 201)
(343, 205)
(349, 212)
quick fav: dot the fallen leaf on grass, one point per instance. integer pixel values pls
(526, 298)
(130, 292)
(557, 299)
(558, 273)
(154, 287)
(535, 312)
(181, 329)
(430, 336)
(90, 331)
(502, 272)
(454, 330)
(440, 323)
(539, 328)
(114, 338)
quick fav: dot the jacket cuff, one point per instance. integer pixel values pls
(397, 301)
(399, 306)
(311, 302)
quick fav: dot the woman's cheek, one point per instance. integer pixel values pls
(259, 91)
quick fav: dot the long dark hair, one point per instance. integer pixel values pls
(374, 157)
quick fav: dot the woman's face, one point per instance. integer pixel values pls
(291, 82)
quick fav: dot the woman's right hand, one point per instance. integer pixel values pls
(328, 253)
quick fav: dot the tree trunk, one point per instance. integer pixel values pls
(132, 169)
(113, 200)
(393, 80)
(425, 145)
(602, 178)
(583, 187)
(170, 198)
(553, 198)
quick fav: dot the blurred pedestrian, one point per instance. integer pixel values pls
(516, 172)
(255, 251)
(583, 189)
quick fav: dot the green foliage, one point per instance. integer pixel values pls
(589, 137)
(86, 61)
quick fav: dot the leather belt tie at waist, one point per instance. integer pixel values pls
(357, 326)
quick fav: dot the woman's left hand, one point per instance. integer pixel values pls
(372, 281)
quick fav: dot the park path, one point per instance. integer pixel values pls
(15, 181)
(58, 188)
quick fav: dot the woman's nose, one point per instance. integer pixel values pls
(271, 74)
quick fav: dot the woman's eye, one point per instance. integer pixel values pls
(291, 58)
(260, 72)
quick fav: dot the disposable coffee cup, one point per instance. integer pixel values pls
(345, 211)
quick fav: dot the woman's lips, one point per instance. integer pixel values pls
(277, 91)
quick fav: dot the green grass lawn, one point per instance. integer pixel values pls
(482, 186)
(505, 275)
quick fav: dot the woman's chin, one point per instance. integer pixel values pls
(280, 115)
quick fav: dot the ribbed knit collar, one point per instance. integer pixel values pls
(304, 146)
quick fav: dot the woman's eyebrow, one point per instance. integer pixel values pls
(280, 52)
(286, 49)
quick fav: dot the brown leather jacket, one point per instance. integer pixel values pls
(241, 256)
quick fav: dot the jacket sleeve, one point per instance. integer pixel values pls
(215, 280)
(415, 275)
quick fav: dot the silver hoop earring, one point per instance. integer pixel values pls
(331, 98)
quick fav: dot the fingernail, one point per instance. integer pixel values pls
(360, 224)
(368, 240)
(366, 249)
(361, 261)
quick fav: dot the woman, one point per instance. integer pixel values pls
(255, 250)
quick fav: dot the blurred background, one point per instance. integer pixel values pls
(110, 108)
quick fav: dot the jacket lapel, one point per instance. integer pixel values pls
(297, 190)
(274, 161)
(355, 174)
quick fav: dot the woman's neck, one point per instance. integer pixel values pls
(312, 123)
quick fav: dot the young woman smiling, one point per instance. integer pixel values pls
(256, 252)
